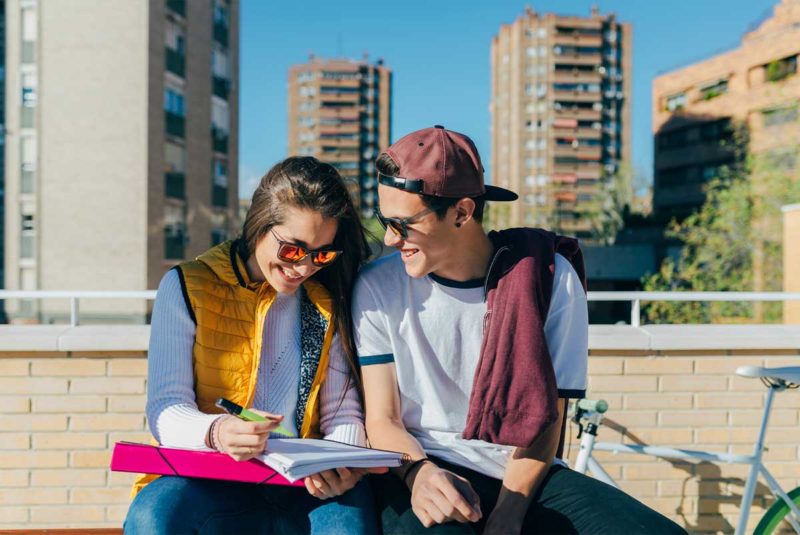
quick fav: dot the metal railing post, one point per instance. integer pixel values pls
(73, 311)
(636, 316)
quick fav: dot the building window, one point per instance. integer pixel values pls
(782, 115)
(777, 70)
(675, 102)
(713, 90)
(29, 32)
(173, 102)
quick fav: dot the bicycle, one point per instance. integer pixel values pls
(787, 504)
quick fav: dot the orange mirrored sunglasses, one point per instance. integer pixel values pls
(293, 253)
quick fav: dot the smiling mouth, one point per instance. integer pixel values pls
(289, 276)
(408, 253)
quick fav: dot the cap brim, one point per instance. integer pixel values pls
(493, 193)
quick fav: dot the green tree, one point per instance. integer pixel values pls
(733, 243)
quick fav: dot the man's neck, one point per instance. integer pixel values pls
(471, 258)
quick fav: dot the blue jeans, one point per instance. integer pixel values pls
(171, 505)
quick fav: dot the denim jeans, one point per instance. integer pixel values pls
(172, 505)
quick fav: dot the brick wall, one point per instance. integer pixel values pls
(61, 416)
(63, 411)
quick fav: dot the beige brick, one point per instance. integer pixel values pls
(661, 437)
(745, 384)
(746, 417)
(14, 368)
(640, 489)
(15, 404)
(722, 471)
(69, 441)
(66, 477)
(33, 496)
(90, 459)
(31, 459)
(658, 401)
(658, 366)
(15, 441)
(726, 435)
(774, 452)
(623, 384)
(127, 404)
(68, 367)
(605, 366)
(785, 470)
(694, 383)
(33, 422)
(121, 479)
(712, 524)
(728, 505)
(106, 422)
(108, 385)
(671, 504)
(738, 400)
(690, 487)
(693, 418)
(724, 365)
(137, 436)
(116, 514)
(14, 478)
(662, 470)
(99, 496)
(33, 385)
(69, 404)
(777, 362)
(127, 367)
(14, 514)
(634, 419)
(67, 515)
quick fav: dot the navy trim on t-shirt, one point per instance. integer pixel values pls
(474, 283)
(376, 359)
(571, 394)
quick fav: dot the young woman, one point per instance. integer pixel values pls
(265, 322)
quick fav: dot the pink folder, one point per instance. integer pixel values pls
(144, 458)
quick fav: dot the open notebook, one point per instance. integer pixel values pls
(296, 458)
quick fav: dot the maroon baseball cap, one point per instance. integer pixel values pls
(442, 163)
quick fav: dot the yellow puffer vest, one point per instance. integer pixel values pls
(229, 311)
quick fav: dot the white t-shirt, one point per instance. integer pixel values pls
(432, 328)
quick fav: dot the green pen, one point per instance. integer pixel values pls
(237, 410)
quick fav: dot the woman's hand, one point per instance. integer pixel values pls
(244, 440)
(332, 483)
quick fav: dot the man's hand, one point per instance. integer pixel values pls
(332, 483)
(244, 440)
(439, 496)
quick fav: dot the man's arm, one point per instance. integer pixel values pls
(437, 495)
(526, 469)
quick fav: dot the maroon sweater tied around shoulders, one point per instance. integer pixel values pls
(514, 394)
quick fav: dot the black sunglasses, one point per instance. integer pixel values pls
(400, 226)
(293, 253)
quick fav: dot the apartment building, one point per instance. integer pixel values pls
(340, 112)
(122, 145)
(560, 110)
(712, 113)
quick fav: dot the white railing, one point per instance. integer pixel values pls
(635, 298)
(75, 296)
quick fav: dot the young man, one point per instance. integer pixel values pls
(470, 345)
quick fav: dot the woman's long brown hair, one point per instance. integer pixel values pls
(305, 182)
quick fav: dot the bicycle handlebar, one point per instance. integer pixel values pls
(593, 405)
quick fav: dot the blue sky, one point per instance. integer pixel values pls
(439, 52)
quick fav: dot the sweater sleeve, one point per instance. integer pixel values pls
(172, 412)
(341, 414)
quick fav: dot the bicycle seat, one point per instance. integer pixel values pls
(786, 374)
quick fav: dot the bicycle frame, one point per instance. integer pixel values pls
(585, 460)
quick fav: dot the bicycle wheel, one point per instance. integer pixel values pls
(775, 514)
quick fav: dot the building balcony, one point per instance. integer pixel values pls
(175, 185)
(175, 61)
(577, 76)
(581, 114)
(219, 196)
(175, 124)
(221, 33)
(576, 39)
(221, 87)
(578, 96)
(578, 59)
(219, 140)
(178, 7)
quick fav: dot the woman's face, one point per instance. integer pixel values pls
(302, 227)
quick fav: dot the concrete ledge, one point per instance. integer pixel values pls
(56, 338)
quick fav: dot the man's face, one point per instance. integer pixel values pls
(426, 249)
